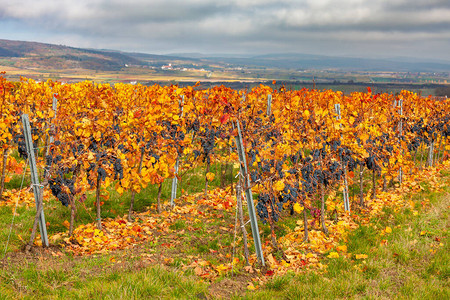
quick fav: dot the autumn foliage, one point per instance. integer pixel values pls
(299, 151)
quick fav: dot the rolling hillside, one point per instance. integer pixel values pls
(42, 61)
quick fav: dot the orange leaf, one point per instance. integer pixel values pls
(66, 224)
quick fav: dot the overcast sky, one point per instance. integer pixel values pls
(363, 28)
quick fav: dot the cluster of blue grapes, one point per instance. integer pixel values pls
(173, 133)
(103, 160)
(62, 176)
(427, 133)
(316, 169)
(311, 171)
(19, 139)
(208, 141)
(21, 146)
(58, 181)
(264, 202)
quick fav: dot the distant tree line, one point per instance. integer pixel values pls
(443, 91)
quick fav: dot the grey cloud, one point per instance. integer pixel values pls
(237, 25)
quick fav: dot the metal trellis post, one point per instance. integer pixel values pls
(173, 194)
(34, 177)
(248, 195)
(400, 130)
(269, 105)
(337, 108)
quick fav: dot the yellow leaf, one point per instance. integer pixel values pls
(342, 248)
(388, 229)
(306, 114)
(298, 208)
(91, 156)
(210, 176)
(333, 255)
(222, 268)
(98, 232)
(119, 189)
(364, 137)
(203, 263)
(284, 263)
(279, 186)
(361, 256)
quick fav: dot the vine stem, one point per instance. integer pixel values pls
(305, 222)
(158, 200)
(133, 193)
(361, 185)
(97, 199)
(322, 210)
(5, 160)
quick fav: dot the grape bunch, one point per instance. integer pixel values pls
(118, 169)
(22, 149)
(61, 180)
(266, 201)
(208, 142)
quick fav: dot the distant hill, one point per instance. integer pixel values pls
(41, 56)
(321, 62)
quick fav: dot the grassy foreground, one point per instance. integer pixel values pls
(407, 257)
(410, 262)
